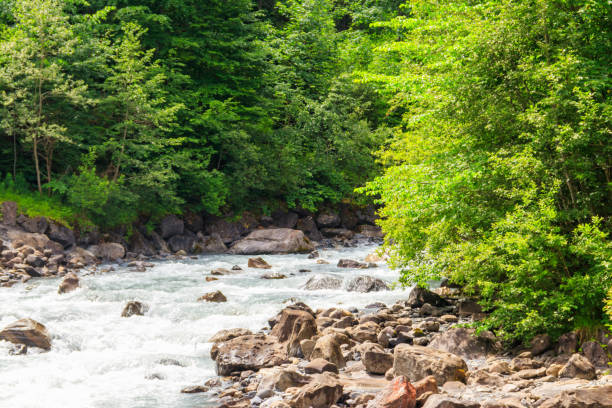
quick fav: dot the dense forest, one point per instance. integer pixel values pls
(482, 129)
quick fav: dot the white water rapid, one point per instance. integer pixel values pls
(102, 360)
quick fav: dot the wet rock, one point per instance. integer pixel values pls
(449, 318)
(134, 308)
(211, 244)
(250, 352)
(328, 348)
(293, 327)
(215, 296)
(309, 227)
(567, 343)
(578, 367)
(28, 332)
(595, 354)
(170, 226)
(159, 243)
(419, 296)
(320, 365)
(322, 392)
(221, 272)
(139, 244)
(34, 260)
(81, 256)
(367, 331)
(8, 210)
(36, 225)
(349, 263)
(320, 282)
(417, 362)
(469, 308)
(258, 263)
(592, 397)
(376, 361)
(366, 284)
(273, 276)
(228, 334)
(193, 389)
(370, 231)
(285, 219)
(328, 220)
(18, 350)
(39, 242)
(337, 233)
(273, 241)
(59, 233)
(462, 342)
(540, 344)
(183, 242)
(108, 251)
(385, 335)
(398, 394)
(279, 379)
(313, 255)
(444, 401)
(69, 283)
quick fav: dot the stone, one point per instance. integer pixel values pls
(385, 335)
(222, 272)
(293, 327)
(81, 255)
(553, 370)
(322, 392)
(181, 242)
(39, 242)
(279, 379)
(108, 251)
(367, 331)
(328, 220)
(8, 210)
(228, 334)
(193, 389)
(427, 384)
(210, 244)
(419, 296)
(503, 403)
(349, 263)
(320, 365)
(337, 233)
(328, 348)
(59, 233)
(319, 282)
(285, 219)
(34, 260)
(159, 243)
(309, 227)
(259, 263)
(417, 362)
(193, 222)
(578, 367)
(540, 344)
(134, 308)
(594, 352)
(530, 373)
(307, 346)
(36, 225)
(273, 276)
(591, 397)
(139, 244)
(370, 231)
(227, 231)
(499, 367)
(69, 283)
(170, 226)
(448, 318)
(215, 296)
(567, 343)
(365, 284)
(460, 341)
(273, 241)
(398, 394)
(250, 352)
(445, 401)
(468, 307)
(28, 332)
(376, 361)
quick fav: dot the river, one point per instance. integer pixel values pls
(100, 359)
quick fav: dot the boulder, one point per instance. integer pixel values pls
(445, 401)
(468, 307)
(427, 384)
(28, 332)
(273, 241)
(215, 296)
(134, 307)
(285, 219)
(211, 244)
(8, 210)
(139, 244)
(309, 227)
(37, 225)
(273, 276)
(370, 231)
(328, 348)
(170, 226)
(194, 389)
(319, 282)
(182, 242)
(193, 222)
(540, 344)
(320, 365)
(34, 260)
(259, 263)
(592, 397)
(366, 284)
(40, 242)
(595, 354)
(250, 352)
(376, 361)
(567, 343)
(578, 367)
(222, 272)
(338, 233)
(398, 394)
(227, 231)
(108, 251)
(462, 342)
(419, 296)
(417, 362)
(78, 255)
(279, 379)
(59, 233)
(228, 334)
(349, 263)
(293, 327)
(367, 331)
(69, 283)
(328, 219)
(322, 392)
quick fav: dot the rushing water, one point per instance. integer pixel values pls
(99, 359)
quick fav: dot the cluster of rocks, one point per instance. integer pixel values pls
(38, 247)
(415, 353)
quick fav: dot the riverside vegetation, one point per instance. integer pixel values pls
(480, 129)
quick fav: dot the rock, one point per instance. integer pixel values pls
(228, 334)
(170, 226)
(134, 307)
(449, 318)
(313, 255)
(349, 263)
(370, 231)
(462, 342)
(385, 335)
(398, 394)
(159, 243)
(193, 389)
(469, 308)
(328, 348)
(221, 272)
(592, 397)
(37, 225)
(80, 255)
(193, 222)
(309, 227)
(322, 392)
(215, 296)
(258, 263)
(40, 242)
(285, 219)
(337, 233)
(34, 260)
(210, 279)
(212, 244)
(499, 367)
(227, 231)
(553, 370)
(328, 220)
(183, 242)
(417, 362)
(8, 210)
(279, 379)
(540, 344)
(444, 401)
(273, 276)
(366, 284)
(307, 346)
(427, 384)
(59, 233)
(28, 332)
(374, 257)
(567, 343)
(108, 251)
(320, 365)
(139, 244)
(250, 352)
(595, 354)
(419, 296)
(367, 331)
(530, 373)
(578, 367)
(273, 241)
(376, 361)
(69, 283)
(322, 262)
(293, 327)
(503, 403)
(319, 282)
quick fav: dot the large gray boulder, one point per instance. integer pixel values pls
(366, 284)
(108, 251)
(40, 242)
(36, 225)
(417, 362)
(273, 241)
(462, 342)
(250, 352)
(8, 211)
(309, 227)
(171, 225)
(61, 234)
(319, 282)
(419, 296)
(181, 242)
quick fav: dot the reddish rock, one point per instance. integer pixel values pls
(427, 384)
(398, 394)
